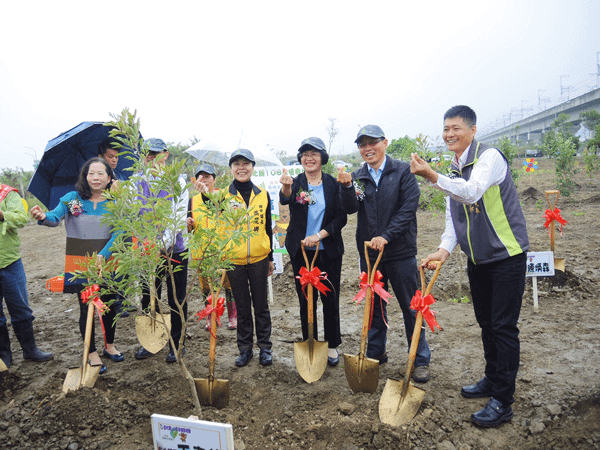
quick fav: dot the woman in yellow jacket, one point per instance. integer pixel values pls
(252, 260)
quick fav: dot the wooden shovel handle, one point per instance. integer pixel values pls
(427, 291)
(368, 297)
(311, 265)
(309, 295)
(86, 342)
(213, 326)
(548, 194)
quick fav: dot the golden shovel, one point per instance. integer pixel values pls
(559, 264)
(362, 373)
(211, 391)
(86, 375)
(153, 330)
(311, 355)
(401, 400)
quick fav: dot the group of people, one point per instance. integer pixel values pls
(483, 215)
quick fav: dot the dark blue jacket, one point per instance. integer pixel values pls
(389, 211)
(334, 218)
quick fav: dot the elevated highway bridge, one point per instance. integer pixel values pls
(531, 129)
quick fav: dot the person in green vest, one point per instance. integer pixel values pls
(484, 216)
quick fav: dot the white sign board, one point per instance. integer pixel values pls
(175, 433)
(540, 264)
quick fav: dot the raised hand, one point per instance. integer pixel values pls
(343, 177)
(286, 183)
(37, 213)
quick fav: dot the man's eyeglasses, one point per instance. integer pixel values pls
(365, 144)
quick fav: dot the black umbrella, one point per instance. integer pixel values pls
(63, 159)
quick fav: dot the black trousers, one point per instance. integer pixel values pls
(249, 287)
(329, 299)
(497, 290)
(180, 278)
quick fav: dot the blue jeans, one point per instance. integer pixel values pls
(13, 289)
(403, 275)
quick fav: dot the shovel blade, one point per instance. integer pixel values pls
(77, 378)
(151, 333)
(396, 410)
(559, 264)
(213, 392)
(311, 365)
(362, 373)
(3, 367)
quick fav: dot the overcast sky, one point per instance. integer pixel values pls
(277, 70)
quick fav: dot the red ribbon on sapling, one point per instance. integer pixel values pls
(420, 303)
(313, 277)
(219, 310)
(552, 216)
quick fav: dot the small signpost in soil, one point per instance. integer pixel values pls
(174, 432)
(539, 264)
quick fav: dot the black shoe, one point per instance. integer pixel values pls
(421, 374)
(142, 353)
(171, 357)
(125, 313)
(103, 368)
(382, 359)
(492, 414)
(244, 358)
(333, 361)
(479, 390)
(116, 358)
(265, 358)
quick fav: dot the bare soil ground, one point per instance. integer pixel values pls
(558, 393)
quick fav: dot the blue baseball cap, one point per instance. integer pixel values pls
(206, 168)
(371, 131)
(242, 153)
(314, 143)
(156, 145)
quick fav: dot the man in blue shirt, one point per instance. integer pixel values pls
(386, 196)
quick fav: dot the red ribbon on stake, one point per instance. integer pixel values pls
(554, 216)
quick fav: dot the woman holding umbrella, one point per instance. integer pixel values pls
(82, 212)
(316, 218)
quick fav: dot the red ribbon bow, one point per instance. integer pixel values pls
(314, 278)
(91, 294)
(420, 303)
(219, 310)
(552, 216)
(377, 287)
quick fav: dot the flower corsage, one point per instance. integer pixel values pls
(235, 204)
(359, 187)
(305, 197)
(75, 207)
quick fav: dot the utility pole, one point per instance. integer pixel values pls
(541, 99)
(564, 88)
(598, 70)
(524, 110)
